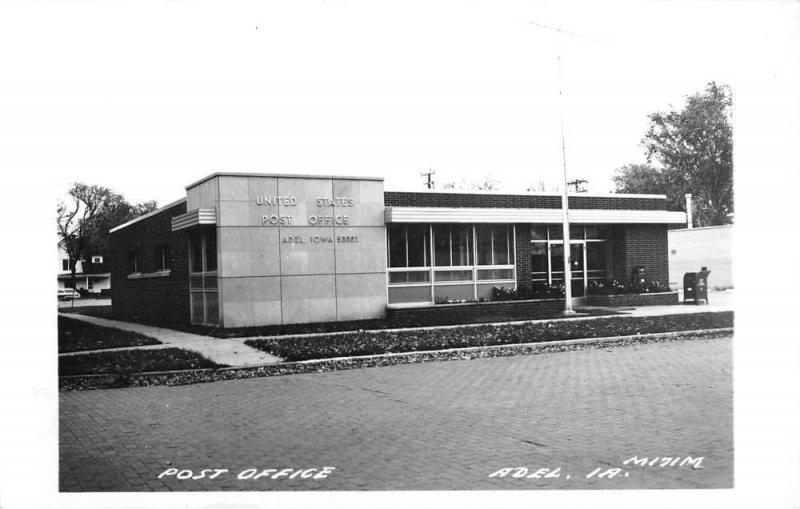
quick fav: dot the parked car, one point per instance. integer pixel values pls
(68, 294)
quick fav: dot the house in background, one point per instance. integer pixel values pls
(92, 275)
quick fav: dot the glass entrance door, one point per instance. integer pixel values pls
(576, 266)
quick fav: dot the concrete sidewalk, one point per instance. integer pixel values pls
(717, 301)
(232, 352)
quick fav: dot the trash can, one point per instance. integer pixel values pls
(690, 287)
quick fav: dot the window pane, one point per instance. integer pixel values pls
(501, 245)
(441, 245)
(133, 262)
(487, 274)
(484, 244)
(453, 275)
(462, 244)
(397, 245)
(556, 232)
(538, 232)
(197, 306)
(211, 250)
(575, 232)
(418, 242)
(596, 255)
(196, 250)
(596, 232)
(539, 257)
(557, 257)
(212, 307)
(409, 277)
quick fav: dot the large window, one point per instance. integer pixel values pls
(452, 245)
(589, 254)
(448, 261)
(204, 300)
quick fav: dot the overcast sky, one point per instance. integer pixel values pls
(148, 97)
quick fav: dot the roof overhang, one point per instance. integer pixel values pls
(498, 215)
(193, 218)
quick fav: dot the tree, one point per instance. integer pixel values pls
(83, 224)
(647, 179)
(694, 147)
(540, 186)
(486, 183)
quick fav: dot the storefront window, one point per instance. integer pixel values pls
(408, 245)
(441, 245)
(196, 251)
(484, 243)
(500, 245)
(494, 245)
(418, 241)
(453, 273)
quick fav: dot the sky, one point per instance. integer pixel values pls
(147, 97)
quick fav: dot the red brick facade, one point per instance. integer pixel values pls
(162, 299)
(518, 201)
(640, 245)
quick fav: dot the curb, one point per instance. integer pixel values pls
(184, 377)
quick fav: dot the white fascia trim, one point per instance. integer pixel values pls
(149, 214)
(498, 215)
(280, 175)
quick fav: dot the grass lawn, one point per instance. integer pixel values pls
(362, 343)
(75, 336)
(132, 361)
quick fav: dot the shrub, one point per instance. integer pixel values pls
(529, 291)
(615, 287)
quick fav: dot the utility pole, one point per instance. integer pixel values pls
(429, 184)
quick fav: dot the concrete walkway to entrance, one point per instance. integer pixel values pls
(232, 352)
(717, 301)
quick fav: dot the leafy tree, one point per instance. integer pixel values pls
(647, 179)
(486, 183)
(694, 147)
(84, 220)
(540, 186)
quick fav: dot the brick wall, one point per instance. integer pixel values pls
(644, 245)
(478, 200)
(523, 254)
(165, 299)
(449, 314)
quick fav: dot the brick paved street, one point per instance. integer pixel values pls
(440, 425)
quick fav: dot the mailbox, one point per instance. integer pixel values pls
(701, 287)
(689, 287)
(695, 286)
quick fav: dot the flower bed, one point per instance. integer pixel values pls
(633, 299)
(370, 343)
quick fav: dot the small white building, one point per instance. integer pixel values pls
(693, 248)
(92, 274)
